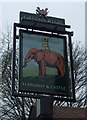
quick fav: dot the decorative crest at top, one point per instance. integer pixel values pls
(42, 12)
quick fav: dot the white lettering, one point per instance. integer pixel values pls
(51, 87)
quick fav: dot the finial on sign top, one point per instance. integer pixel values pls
(42, 12)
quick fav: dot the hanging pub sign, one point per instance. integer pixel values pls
(43, 63)
(45, 59)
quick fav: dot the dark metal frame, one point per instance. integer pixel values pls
(24, 94)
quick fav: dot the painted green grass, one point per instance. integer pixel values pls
(35, 72)
(30, 73)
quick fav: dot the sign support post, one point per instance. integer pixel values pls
(45, 109)
(71, 63)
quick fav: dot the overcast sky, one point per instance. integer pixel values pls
(72, 12)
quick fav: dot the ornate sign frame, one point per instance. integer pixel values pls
(55, 31)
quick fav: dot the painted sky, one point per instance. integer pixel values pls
(35, 41)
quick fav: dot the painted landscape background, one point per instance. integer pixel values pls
(35, 41)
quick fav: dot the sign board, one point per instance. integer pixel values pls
(35, 21)
(43, 63)
(43, 59)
